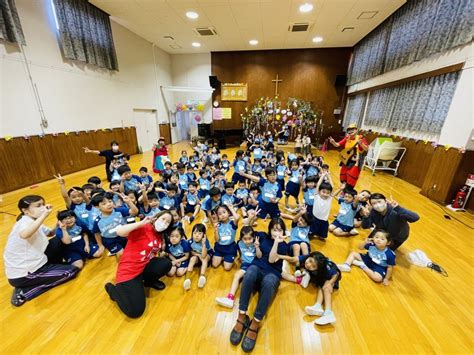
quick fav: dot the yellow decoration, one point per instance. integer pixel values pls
(200, 107)
(425, 141)
(66, 133)
(8, 138)
(278, 117)
(446, 147)
(103, 129)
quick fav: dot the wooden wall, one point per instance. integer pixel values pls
(438, 172)
(24, 162)
(307, 74)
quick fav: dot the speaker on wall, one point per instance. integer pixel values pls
(341, 80)
(214, 82)
(204, 130)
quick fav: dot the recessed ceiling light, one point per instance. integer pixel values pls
(306, 7)
(317, 39)
(253, 42)
(192, 15)
(196, 44)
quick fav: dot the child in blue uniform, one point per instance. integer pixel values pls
(204, 183)
(201, 253)
(225, 248)
(145, 178)
(343, 225)
(225, 163)
(294, 184)
(169, 200)
(229, 196)
(190, 203)
(151, 204)
(129, 182)
(183, 178)
(190, 173)
(271, 193)
(110, 218)
(73, 234)
(281, 171)
(309, 192)
(299, 237)
(248, 247)
(211, 203)
(240, 166)
(184, 157)
(242, 193)
(75, 200)
(177, 249)
(379, 260)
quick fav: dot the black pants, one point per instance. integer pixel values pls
(130, 295)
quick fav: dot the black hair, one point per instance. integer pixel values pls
(325, 186)
(24, 203)
(114, 182)
(219, 172)
(61, 215)
(247, 230)
(366, 191)
(199, 228)
(350, 191)
(158, 184)
(224, 156)
(273, 223)
(113, 142)
(180, 166)
(311, 178)
(224, 207)
(202, 172)
(214, 191)
(319, 275)
(74, 188)
(152, 195)
(325, 166)
(257, 160)
(87, 187)
(308, 218)
(126, 156)
(269, 171)
(94, 180)
(98, 190)
(97, 199)
(123, 169)
(239, 153)
(377, 196)
(384, 232)
(254, 187)
(172, 187)
(168, 163)
(193, 183)
(144, 168)
(229, 185)
(181, 232)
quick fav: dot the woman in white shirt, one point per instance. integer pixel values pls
(26, 253)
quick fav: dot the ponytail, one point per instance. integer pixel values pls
(25, 203)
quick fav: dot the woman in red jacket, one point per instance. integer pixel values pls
(139, 267)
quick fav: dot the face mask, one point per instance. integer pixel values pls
(380, 207)
(115, 148)
(36, 212)
(160, 226)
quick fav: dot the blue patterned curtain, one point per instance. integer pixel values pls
(10, 26)
(85, 33)
(417, 30)
(420, 106)
(354, 110)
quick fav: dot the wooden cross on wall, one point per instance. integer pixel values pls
(276, 81)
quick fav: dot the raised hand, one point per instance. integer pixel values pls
(48, 209)
(61, 225)
(257, 242)
(59, 178)
(147, 220)
(392, 202)
(86, 150)
(365, 210)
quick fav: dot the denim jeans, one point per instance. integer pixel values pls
(255, 279)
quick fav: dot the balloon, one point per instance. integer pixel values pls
(200, 107)
(278, 117)
(277, 110)
(283, 111)
(289, 113)
(270, 111)
(197, 118)
(284, 118)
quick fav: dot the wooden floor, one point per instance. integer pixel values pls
(420, 311)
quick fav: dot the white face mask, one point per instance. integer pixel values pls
(160, 226)
(36, 212)
(380, 207)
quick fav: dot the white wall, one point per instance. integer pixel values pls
(457, 129)
(76, 96)
(192, 70)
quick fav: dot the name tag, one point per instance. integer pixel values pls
(166, 207)
(281, 174)
(269, 195)
(225, 238)
(241, 168)
(311, 197)
(302, 234)
(248, 253)
(342, 212)
(192, 202)
(84, 215)
(113, 230)
(294, 179)
(76, 238)
(130, 219)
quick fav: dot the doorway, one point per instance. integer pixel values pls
(147, 128)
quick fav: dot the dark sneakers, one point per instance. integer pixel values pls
(110, 288)
(158, 285)
(243, 322)
(17, 297)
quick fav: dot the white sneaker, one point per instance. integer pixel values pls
(344, 267)
(205, 220)
(187, 284)
(358, 263)
(305, 280)
(327, 318)
(202, 281)
(353, 231)
(316, 310)
(298, 273)
(225, 302)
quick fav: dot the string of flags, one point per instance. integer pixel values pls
(56, 134)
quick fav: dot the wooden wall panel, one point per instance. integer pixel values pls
(24, 162)
(307, 74)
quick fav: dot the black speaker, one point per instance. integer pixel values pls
(221, 143)
(204, 130)
(214, 82)
(341, 80)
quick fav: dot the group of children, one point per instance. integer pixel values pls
(198, 183)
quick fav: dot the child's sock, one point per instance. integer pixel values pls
(344, 267)
(358, 263)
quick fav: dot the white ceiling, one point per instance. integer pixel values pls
(238, 21)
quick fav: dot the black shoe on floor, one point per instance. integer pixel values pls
(17, 297)
(248, 344)
(158, 285)
(110, 288)
(236, 337)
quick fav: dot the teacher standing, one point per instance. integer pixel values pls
(109, 154)
(139, 267)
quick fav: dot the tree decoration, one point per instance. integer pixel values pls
(8, 138)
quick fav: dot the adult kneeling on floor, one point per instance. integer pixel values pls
(139, 267)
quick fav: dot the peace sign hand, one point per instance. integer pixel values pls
(257, 242)
(392, 202)
(59, 178)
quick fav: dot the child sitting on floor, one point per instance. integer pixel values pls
(201, 254)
